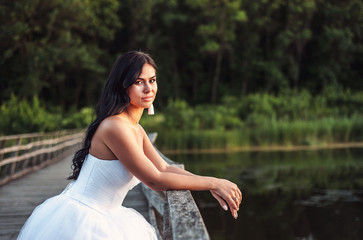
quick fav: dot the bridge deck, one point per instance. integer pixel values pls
(18, 198)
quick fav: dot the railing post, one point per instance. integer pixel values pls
(2, 145)
(179, 212)
(167, 232)
(30, 152)
(15, 154)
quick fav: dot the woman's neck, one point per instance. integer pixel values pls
(133, 114)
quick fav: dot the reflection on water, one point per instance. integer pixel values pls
(315, 194)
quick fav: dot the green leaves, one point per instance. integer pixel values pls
(51, 44)
(62, 50)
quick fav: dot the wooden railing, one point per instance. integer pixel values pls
(24, 153)
(174, 214)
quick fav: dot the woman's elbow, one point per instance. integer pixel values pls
(157, 184)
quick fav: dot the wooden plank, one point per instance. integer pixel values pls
(19, 197)
(27, 135)
(155, 199)
(182, 219)
(38, 152)
(44, 142)
(186, 221)
(32, 135)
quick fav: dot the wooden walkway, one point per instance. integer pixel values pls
(19, 197)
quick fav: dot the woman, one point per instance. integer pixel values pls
(116, 155)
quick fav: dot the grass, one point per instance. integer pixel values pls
(269, 133)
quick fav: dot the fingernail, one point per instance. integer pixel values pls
(235, 215)
(225, 207)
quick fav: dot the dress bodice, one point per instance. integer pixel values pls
(101, 184)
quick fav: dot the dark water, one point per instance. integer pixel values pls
(316, 194)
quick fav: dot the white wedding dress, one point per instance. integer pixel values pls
(90, 208)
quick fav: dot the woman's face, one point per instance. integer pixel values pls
(142, 93)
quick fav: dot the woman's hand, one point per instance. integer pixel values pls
(227, 194)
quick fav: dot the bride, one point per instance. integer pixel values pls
(116, 155)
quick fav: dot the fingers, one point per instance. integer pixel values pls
(228, 193)
(233, 204)
(235, 199)
(220, 200)
(224, 205)
(233, 208)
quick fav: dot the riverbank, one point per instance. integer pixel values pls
(269, 134)
(268, 148)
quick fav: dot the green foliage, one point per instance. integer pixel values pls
(180, 116)
(291, 118)
(281, 133)
(20, 116)
(61, 51)
(79, 119)
(51, 47)
(278, 62)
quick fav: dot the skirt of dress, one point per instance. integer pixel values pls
(63, 218)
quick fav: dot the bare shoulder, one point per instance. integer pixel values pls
(114, 125)
(141, 130)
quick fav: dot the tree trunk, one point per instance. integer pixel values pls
(174, 66)
(216, 75)
(195, 87)
(78, 90)
(244, 79)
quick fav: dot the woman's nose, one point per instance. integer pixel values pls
(147, 88)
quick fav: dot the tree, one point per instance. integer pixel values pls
(334, 54)
(217, 29)
(50, 48)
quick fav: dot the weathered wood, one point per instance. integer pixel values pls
(155, 198)
(53, 149)
(185, 218)
(19, 147)
(18, 198)
(34, 168)
(153, 136)
(38, 150)
(181, 216)
(153, 221)
(32, 135)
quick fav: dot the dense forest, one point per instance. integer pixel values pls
(268, 71)
(61, 51)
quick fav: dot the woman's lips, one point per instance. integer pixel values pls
(147, 99)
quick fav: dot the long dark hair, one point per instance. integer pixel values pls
(114, 98)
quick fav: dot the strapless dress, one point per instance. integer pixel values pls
(90, 208)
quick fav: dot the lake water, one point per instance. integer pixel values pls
(312, 194)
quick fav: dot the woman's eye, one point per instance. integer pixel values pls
(138, 82)
(152, 80)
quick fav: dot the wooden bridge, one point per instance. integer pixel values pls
(174, 214)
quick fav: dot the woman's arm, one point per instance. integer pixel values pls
(164, 166)
(123, 142)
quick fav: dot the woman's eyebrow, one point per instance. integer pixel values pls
(144, 78)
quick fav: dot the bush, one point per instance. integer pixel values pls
(78, 119)
(178, 115)
(20, 116)
(344, 102)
